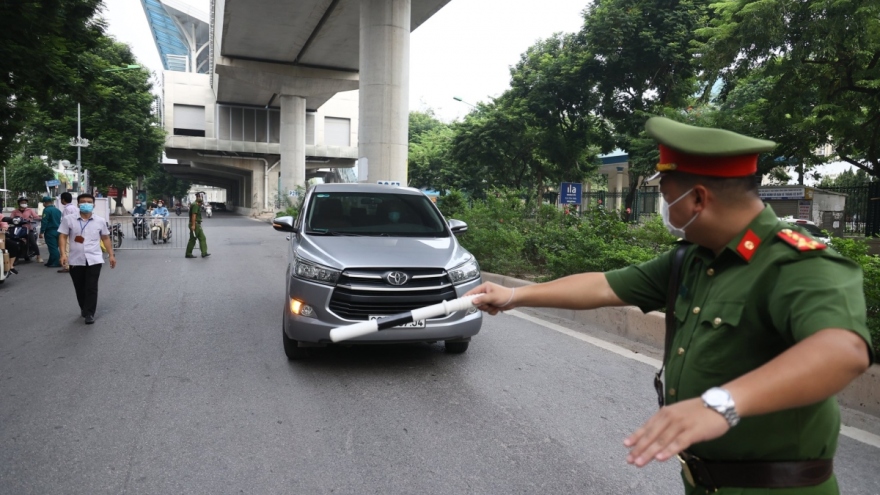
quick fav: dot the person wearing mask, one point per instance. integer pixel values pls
(139, 209)
(67, 209)
(195, 229)
(765, 325)
(84, 234)
(161, 211)
(49, 231)
(31, 215)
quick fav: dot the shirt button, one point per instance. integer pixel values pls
(680, 351)
(717, 321)
(697, 310)
(672, 392)
(710, 272)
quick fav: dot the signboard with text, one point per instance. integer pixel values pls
(570, 193)
(783, 193)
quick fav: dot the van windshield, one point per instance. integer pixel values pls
(373, 214)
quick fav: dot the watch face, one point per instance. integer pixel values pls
(716, 397)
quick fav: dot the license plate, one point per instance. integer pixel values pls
(415, 324)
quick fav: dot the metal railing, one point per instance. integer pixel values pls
(150, 233)
(856, 210)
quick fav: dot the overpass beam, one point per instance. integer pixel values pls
(384, 88)
(293, 142)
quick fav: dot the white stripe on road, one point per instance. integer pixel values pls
(856, 434)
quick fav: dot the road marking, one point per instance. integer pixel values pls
(856, 434)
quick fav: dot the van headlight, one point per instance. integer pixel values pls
(465, 272)
(315, 272)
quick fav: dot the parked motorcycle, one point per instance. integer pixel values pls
(208, 211)
(116, 235)
(5, 260)
(139, 226)
(159, 231)
(177, 210)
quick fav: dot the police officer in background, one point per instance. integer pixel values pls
(195, 229)
(767, 325)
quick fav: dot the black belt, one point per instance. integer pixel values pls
(771, 474)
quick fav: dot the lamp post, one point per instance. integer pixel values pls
(456, 98)
(80, 142)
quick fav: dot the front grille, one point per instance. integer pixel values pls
(360, 293)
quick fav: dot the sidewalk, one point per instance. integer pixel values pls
(646, 333)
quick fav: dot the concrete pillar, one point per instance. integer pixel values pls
(293, 142)
(384, 88)
(619, 201)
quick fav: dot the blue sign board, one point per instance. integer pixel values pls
(53, 183)
(570, 193)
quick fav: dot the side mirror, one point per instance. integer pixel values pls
(283, 224)
(457, 226)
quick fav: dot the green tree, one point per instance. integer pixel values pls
(161, 184)
(847, 178)
(117, 118)
(28, 175)
(822, 62)
(40, 44)
(644, 67)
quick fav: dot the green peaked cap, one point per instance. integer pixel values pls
(704, 141)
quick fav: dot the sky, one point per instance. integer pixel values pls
(465, 50)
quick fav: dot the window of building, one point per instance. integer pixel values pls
(189, 120)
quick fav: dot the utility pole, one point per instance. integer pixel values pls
(80, 143)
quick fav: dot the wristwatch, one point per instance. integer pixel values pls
(720, 400)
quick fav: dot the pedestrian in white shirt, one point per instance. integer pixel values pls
(83, 234)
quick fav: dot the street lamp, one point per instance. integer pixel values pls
(456, 98)
(80, 142)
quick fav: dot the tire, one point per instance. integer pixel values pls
(457, 346)
(292, 349)
(117, 240)
(155, 237)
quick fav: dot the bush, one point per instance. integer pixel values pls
(857, 250)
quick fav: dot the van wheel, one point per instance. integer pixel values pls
(291, 348)
(456, 346)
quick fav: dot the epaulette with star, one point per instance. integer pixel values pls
(800, 241)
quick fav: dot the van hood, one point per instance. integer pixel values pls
(382, 252)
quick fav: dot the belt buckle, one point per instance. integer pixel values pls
(686, 470)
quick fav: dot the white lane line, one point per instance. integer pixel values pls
(856, 434)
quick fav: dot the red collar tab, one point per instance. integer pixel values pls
(748, 245)
(800, 241)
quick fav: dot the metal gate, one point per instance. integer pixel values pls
(872, 220)
(150, 236)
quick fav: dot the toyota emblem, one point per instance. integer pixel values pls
(397, 278)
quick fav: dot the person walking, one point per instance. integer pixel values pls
(195, 229)
(67, 209)
(31, 216)
(84, 234)
(764, 325)
(49, 231)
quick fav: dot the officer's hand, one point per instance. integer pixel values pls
(495, 298)
(673, 429)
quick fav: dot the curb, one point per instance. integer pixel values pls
(863, 394)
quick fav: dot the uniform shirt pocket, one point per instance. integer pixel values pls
(719, 346)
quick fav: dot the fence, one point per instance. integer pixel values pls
(858, 201)
(645, 202)
(149, 235)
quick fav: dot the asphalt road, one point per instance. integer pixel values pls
(182, 387)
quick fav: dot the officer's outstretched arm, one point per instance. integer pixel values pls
(581, 291)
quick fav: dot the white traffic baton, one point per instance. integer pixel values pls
(366, 327)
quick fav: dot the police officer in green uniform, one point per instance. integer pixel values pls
(195, 229)
(768, 325)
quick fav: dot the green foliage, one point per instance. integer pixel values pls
(161, 184)
(40, 47)
(857, 250)
(292, 206)
(28, 175)
(847, 178)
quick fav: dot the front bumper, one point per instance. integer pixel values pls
(459, 325)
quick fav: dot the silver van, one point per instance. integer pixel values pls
(364, 251)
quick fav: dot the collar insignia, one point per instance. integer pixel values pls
(748, 245)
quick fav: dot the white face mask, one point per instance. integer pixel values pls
(664, 213)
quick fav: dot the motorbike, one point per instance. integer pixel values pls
(19, 233)
(177, 210)
(5, 261)
(116, 235)
(139, 226)
(158, 230)
(208, 211)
